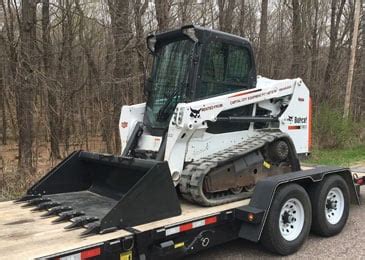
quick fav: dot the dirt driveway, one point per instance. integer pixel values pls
(349, 244)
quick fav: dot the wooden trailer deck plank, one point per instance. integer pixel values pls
(25, 235)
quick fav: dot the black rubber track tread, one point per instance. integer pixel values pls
(192, 177)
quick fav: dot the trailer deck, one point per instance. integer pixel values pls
(25, 235)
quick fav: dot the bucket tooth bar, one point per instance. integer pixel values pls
(91, 228)
(67, 215)
(81, 221)
(46, 205)
(35, 202)
(56, 210)
(27, 197)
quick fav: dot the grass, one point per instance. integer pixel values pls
(340, 157)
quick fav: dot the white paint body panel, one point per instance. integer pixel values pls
(129, 117)
(188, 140)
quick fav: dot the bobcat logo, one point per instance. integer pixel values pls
(290, 119)
(195, 113)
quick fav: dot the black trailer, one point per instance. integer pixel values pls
(280, 214)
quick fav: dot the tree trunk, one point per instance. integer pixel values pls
(262, 60)
(314, 47)
(120, 20)
(184, 14)
(52, 107)
(70, 77)
(297, 39)
(2, 95)
(362, 107)
(332, 57)
(162, 14)
(346, 111)
(242, 19)
(24, 89)
(139, 10)
(225, 15)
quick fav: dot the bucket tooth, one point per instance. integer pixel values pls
(28, 197)
(81, 221)
(34, 202)
(46, 205)
(91, 228)
(63, 216)
(56, 210)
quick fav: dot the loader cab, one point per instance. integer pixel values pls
(194, 63)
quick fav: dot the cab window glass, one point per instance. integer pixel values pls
(225, 68)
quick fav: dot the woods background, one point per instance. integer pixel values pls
(67, 67)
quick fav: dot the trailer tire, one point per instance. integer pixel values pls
(294, 199)
(333, 191)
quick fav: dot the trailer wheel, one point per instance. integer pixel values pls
(289, 220)
(330, 202)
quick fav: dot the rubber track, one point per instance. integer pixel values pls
(192, 177)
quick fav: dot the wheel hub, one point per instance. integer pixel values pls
(331, 204)
(291, 219)
(335, 204)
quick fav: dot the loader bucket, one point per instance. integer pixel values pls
(103, 193)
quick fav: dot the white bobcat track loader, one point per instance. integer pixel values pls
(210, 129)
(286, 102)
(216, 104)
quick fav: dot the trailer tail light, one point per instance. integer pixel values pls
(190, 225)
(359, 181)
(250, 217)
(249, 214)
(83, 255)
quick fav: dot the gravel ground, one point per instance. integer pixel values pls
(349, 244)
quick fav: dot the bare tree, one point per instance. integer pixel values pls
(2, 91)
(314, 44)
(24, 90)
(262, 60)
(225, 16)
(297, 39)
(139, 10)
(332, 56)
(122, 35)
(352, 59)
(65, 86)
(162, 14)
(52, 107)
(184, 9)
(362, 107)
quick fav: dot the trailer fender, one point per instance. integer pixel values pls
(254, 215)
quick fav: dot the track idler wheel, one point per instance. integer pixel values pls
(236, 190)
(279, 150)
(249, 188)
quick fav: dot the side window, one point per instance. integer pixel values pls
(238, 65)
(225, 68)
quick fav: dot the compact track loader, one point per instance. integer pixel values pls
(210, 129)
